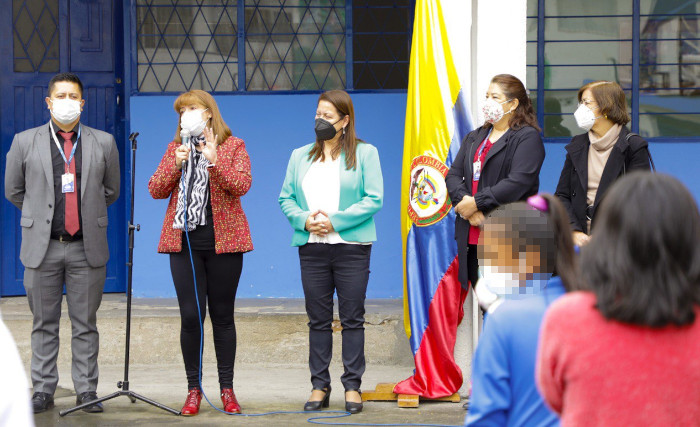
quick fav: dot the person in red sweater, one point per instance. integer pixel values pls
(205, 178)
(626, 350)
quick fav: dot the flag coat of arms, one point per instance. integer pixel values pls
(437, 119)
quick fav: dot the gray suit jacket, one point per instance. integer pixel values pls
(29, 186)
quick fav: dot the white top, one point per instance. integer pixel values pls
(321, 186)
(15, 408)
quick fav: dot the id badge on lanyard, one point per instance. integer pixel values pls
(477, 170)
(67, 179)
(476, 175)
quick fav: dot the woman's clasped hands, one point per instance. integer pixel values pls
(319, 223)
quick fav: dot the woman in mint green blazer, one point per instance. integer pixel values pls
(330, 194)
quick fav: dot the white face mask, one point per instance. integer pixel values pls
(493, 110)
(65, 111)
(504, 284)
(192, 121)
(585, 117)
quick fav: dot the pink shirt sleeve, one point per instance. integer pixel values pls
(549, 367)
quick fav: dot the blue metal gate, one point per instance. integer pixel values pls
(39, 38)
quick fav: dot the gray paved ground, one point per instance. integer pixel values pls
(271, 372)
(259, 388)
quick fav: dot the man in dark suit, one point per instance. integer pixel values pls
(63, 175)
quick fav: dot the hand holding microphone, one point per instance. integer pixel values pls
(182, 153)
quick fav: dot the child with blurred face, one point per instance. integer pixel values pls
(521, 247)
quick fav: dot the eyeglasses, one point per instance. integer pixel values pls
(588, 103)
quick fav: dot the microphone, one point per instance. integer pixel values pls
(185, 137)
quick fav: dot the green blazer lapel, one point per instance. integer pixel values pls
(87, 139)
(45, 153)
(303, 165)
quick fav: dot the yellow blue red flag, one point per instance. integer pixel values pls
(437, 119)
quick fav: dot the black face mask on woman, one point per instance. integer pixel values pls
(325, 130)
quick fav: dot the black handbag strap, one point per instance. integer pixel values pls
(651, 161)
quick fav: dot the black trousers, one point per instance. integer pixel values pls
(468, 262)
(217, 283)
(344, 269)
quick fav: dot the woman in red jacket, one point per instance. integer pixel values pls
(213, 170)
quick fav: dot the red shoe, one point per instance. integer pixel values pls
(229, 400)
(191, 407)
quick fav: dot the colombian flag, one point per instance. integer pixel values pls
(437, 119)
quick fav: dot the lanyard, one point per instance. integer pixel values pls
(483, 145)
(60, 149)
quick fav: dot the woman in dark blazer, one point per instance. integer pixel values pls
(498, 163)
(588, 173)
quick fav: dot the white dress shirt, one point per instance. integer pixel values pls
(321, 186)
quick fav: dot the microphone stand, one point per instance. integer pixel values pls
(124, 385)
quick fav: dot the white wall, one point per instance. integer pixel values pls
(500, 36)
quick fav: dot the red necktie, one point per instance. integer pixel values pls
(71, 222)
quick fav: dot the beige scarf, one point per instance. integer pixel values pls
(598, 154)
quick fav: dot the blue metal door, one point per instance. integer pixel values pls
(39, 38)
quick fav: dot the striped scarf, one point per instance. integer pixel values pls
(194, 186)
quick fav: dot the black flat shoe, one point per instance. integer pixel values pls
(318, 404)
(41, 402)
(353, 407)
(86, 397)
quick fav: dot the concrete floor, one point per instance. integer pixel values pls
(271, 371)
(259, 388)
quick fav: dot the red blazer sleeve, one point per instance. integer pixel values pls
(232, 169)
(167, 176)
(549, 366)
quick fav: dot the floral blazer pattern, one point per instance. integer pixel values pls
(229, 179)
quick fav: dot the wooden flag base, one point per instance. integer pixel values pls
(385, 392)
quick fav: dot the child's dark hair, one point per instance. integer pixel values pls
(541, 222)
(643, 260)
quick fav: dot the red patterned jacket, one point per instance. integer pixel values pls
(228, 181)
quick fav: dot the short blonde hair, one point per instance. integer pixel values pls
(204, 99)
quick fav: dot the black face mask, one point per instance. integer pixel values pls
(325, 130)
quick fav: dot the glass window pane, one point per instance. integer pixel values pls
(555, 128)
(381, 43)
(586, 8)
(531, 53)
(35, 36)
(532, 29)
(186, 46)
(560, 102)
(670, 101)
(588, 53)
(531, 7)
(531, 77)
(668, 6)
(669, 27)
(566, 101)
(577, 76)
(655, 125)
(686, 75)
(561, 126)
(587, 28)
